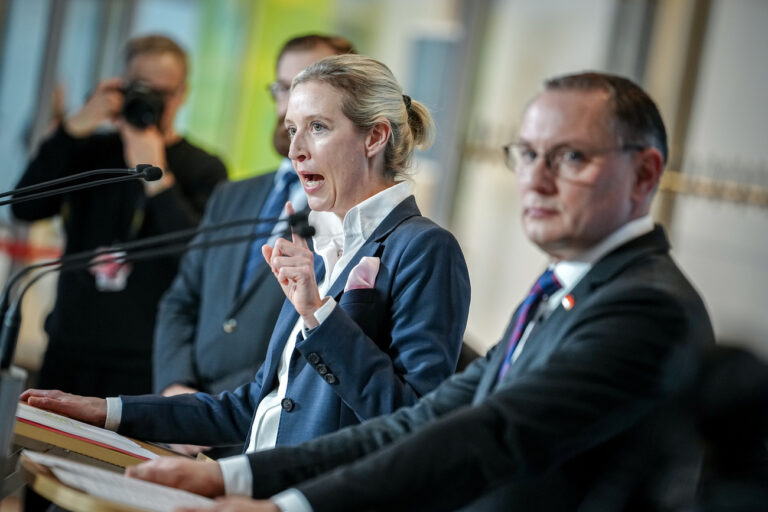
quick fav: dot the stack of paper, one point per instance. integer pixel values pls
(80, 430)
(118, 488)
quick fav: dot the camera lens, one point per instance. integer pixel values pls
(142, 107)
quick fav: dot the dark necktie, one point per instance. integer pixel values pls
(273, 207)
(545, 285)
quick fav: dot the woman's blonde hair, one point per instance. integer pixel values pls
(370, 92)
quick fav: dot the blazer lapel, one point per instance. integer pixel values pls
(262, 272)
(544, 336)
(373, 246)
(237, 256)
(488, 381)
(283, 327)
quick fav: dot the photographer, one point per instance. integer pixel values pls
(100, 329)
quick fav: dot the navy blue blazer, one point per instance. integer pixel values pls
(380, 349)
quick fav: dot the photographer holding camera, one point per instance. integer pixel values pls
(101, 327)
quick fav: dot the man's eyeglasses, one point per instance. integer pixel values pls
(278, 89)
(563, 161)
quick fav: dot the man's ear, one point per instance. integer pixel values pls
(648, 173)
(377, 137)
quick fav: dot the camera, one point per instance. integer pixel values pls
(142, 106)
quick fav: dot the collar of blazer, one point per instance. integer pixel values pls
(402, 212)
(603, 271)
(615, 261)
(288, 315)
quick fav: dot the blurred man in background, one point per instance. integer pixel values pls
(100, 329)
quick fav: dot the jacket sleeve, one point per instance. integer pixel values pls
(195, 418)
(429, 305)
(173, 355)
(58, 156)
(604, 379)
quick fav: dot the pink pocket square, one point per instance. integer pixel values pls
(363, 275)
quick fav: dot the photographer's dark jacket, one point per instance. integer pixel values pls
(100, 342)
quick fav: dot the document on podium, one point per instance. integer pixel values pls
(105, 486)
(81, 431)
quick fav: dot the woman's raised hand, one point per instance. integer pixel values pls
(293, 264)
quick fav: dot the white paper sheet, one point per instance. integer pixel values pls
(118, 488)
(78, 428)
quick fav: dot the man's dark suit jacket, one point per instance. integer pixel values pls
(208, 336)
(541, 437)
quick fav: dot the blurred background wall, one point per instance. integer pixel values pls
(476, 63)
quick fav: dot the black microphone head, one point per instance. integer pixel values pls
(299, 222)
(305, 230)
(151, 173)
(298, 218)
(140, 168)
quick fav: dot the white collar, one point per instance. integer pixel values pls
(332, 235)
(570, 272)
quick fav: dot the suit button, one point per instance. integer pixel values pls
(313, 358)
(330, 378)
(229, 325)
(287, 404)
(322, 369)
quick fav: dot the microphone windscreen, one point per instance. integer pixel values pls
(140, 167)
(152, 173)
(305, 230)
(298, 218)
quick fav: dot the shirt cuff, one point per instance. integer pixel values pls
(325, 310)
(114, 413)
(238, 479)
(291, 500)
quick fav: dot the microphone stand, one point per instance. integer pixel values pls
(82, 186)
(66, 179)
(12, 382)
(12, 379)
(298, 221)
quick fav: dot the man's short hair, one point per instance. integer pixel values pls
(637, 118)
(155, 44)
(338, 44)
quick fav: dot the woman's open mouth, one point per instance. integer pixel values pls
(311, 181)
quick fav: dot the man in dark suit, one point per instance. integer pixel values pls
(536, 424)
(214, 323)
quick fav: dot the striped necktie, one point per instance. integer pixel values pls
(544, 286)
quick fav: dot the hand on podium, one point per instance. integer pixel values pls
(202, 478)
(88, 409)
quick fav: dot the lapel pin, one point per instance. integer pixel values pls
(568, 302)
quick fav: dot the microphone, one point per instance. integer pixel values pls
(299, 223)
(12, 313)
(149, 172)
(74, 177)
(143, 171)
(132, 251)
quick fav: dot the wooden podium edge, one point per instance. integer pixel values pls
(45, 483)
(114, 457)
